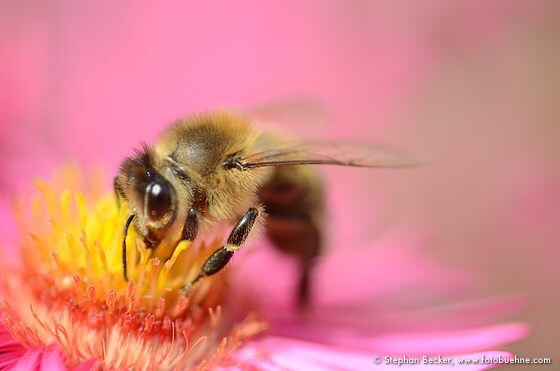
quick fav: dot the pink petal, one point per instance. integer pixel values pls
(86, 366)
(458, 315)
(410, 343)
(31, 360)
(273, 353)
(14, 355)
(371, 318)
(8, 360)
(449, 342)
(10, 350)
(52, 360)
(10, 355)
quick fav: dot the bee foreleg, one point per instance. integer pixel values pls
(219, 258)
(125, 232)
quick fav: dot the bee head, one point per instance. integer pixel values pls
(149, 194)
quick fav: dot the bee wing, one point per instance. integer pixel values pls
(335, 153)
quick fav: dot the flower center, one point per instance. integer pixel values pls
(70, 289)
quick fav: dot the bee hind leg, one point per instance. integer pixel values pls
(304, 283)
(299, 236)
(221, 257)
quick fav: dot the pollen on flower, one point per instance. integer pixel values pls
(70, 289)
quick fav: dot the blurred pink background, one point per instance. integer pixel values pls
(471, 85)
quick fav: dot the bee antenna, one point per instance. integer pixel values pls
(125, 232)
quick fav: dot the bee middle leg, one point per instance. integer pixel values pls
(219, 258)
(190, 230)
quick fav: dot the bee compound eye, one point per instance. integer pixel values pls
(158, 197)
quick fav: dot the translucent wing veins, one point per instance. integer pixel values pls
(340, 154)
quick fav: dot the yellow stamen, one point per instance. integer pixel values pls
(70, 289)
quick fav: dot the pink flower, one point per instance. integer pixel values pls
(66, 305)
(73, 70)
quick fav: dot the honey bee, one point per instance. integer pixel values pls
(217, 167)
